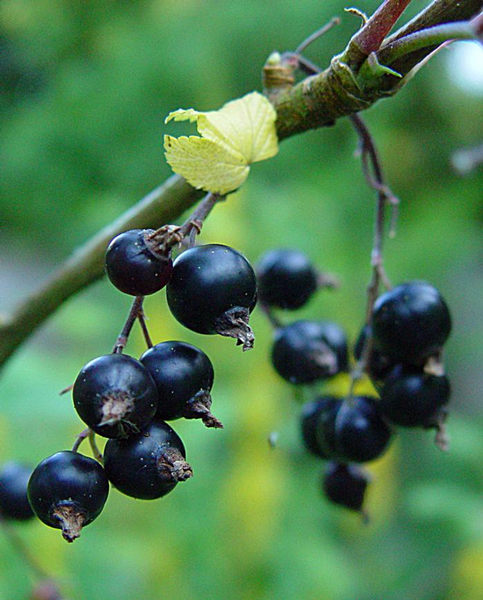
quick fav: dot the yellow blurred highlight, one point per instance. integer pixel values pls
(49, 549)
(251, 495)
(467, 575)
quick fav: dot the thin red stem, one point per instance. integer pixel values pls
(122, 338)
(370, 37)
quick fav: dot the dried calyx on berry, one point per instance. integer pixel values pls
(183, 375)
(136, 265)
(411, 397)
(115, 395)
(147, 465)
(68, 491)
(213, 290)
(307, 351)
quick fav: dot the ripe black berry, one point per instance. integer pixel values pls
(147, 465)
(183, 375)
(306, 351)
(317, 426)
(410, 397)
(411, 322)
(345, 485)
(115, 395)
(213, 290)
(286, 278)
(14, 503)
(134, 266)
(68, 491)
(361, 434)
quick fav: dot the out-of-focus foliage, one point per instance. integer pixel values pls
(86, 86)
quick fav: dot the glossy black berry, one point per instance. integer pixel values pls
(115, 395)
(14, 503)
(361, 434)
(286, 278)
(317, 423)
(411, 322)
(306, 351)
(134, 266)
(213, 290)
(183, 375)
(411, 398)
(345, 485)
(147, 465)
(68, 491)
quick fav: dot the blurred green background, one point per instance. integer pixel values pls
(86, 86)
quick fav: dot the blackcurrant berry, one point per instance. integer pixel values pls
(306, 351)
(115, 395)
(147, 465)
(361, 434)
(213, 290)
(411, 322)
(286, 278)
(410, 397)
(345, 485)
(134, 266)
(183, 375)
(14, 503)
(317, 423)
(68, 491)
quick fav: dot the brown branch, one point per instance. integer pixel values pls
(163, 205)
(317, 101)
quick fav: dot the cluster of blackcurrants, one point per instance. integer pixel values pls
(400, 350)
(213, 289)
(210, 289)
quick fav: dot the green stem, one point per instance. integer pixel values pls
(432, 36)
(163, 205)
(437, 13)
(315, 102)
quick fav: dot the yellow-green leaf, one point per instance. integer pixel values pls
(232, 138)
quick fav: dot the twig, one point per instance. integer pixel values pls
(432, 36)
(84, 434)
(95, 450)
(169, 235)
(315, 36)
(164, 204)
(122, 338)
(371, 35)
(144, 328)
(315, 102)
(273, 320)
